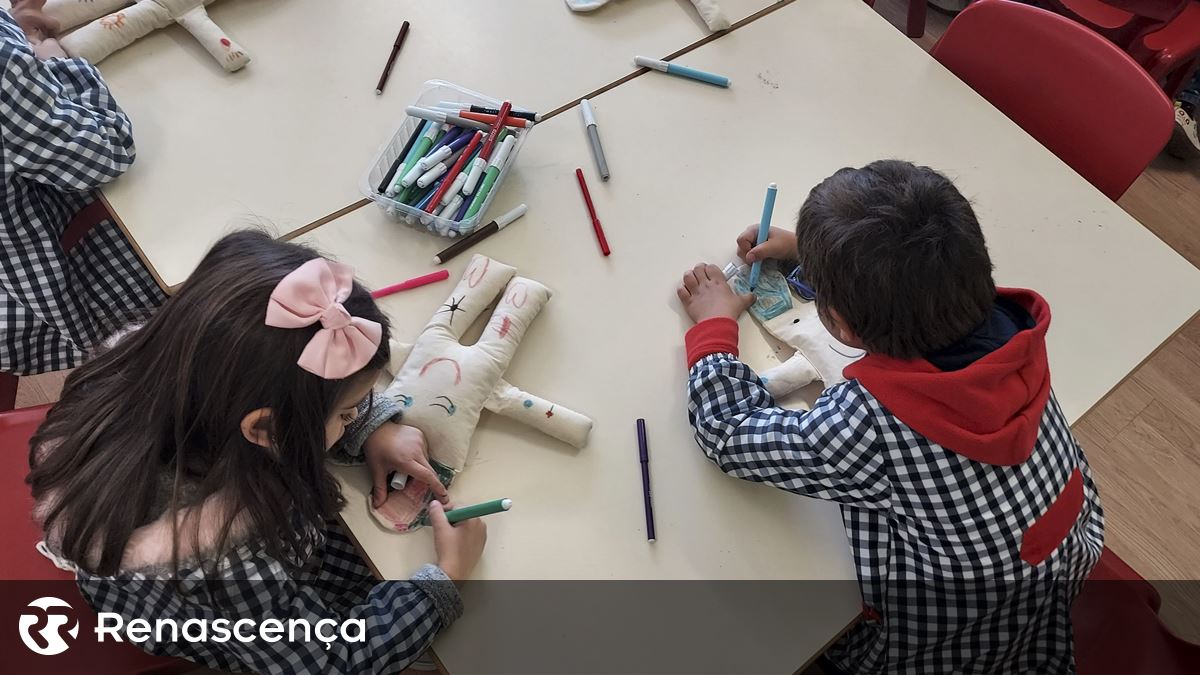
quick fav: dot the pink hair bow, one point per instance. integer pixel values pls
(314, 292)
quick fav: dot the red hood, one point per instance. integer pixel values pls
(989, 411)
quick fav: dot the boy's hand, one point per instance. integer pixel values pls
(780, 245)
(398, 447)
(706, 295)
(458, 547)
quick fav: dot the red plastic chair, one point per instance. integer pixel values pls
(1117, 629)
(1121, 21)
(20, 561)
(87, 218)
(1171, 54)
(915, 23)
(1078, 94)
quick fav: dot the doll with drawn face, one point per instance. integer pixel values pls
(443, 386)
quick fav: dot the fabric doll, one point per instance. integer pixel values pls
(709, 10)
(443, 386)
(106, 26)
(796, 323)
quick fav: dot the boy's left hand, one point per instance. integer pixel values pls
(398, 447)
(706, 295)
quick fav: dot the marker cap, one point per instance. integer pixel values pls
(589, 115)
(647, 62)
(512, 215)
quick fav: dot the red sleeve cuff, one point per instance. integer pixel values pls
(711, 336)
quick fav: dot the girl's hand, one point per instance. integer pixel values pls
(458, 547)
(397, 447)
(780, 245)
(706, 295)
(33, 20)
(48, 49)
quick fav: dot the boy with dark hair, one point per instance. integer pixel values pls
(970, 508)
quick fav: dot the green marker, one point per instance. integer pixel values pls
(489, 176)
(427, 140)
(484, 509)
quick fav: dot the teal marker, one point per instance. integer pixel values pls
(681, 71)
(489, 176)
(764, 231)
(478, 510)
(427, 139)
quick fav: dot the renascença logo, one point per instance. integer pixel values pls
(42, 629)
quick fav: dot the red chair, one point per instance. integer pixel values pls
(1075, 92)
(1171, 54)
(915, 23)
(1117, 629)
(1121, 21)
(87, 218)
(20, 561)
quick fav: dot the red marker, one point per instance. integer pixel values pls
(587, 199)
(486, 153)
(440, 275)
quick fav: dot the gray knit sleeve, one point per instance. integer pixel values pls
(373, 412)
(441, 590)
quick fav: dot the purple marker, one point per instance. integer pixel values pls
(644, 456)
(443, 149)
(462, 211)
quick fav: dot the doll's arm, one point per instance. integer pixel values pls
(72, 13)
(228, 53)
(549, 418)
(789, 376)
(711, 12)
(105, 35)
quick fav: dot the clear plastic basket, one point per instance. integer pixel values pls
(433, 92)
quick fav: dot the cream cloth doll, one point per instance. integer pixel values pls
(443, 386)
(106, 26)
(709, 10)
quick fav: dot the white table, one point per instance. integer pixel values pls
(689, 165)
(283, 142)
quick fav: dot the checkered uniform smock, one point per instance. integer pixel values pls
(935, 535)
(61, 136)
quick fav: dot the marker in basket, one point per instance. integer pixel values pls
(418, 151)
(478, 510)
(492, 173)
(387, 70)
(587, 200)
(402, 157)
(764, 231)
(479, 235)
(644, 458)
(589, 122)
(444, 167)
(509, 121)
(444, 148)
(452, 175)
(444, 118)
(415, 282)
(477, 168)
(681, 71)
(523, 114)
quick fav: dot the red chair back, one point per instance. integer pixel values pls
(1075, 92)
(26, 572)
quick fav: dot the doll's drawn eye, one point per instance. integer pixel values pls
(835, 350)
(448, 406)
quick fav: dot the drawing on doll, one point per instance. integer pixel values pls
(477, 272)
(550, 412)
(448, 406)
(444, 359)
(455, 305)
(113, 21)
(504, 327)
(512, 297)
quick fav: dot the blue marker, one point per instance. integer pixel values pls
(764, 231)
(681, 71)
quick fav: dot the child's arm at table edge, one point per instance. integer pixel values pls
(61, 125)
(827, 452)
